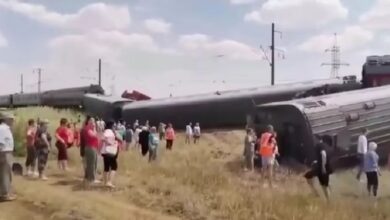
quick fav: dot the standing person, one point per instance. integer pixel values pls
(144, 140)
(83, 134)
(196, 133)
(153, 144)
(128, 136)
(70, 135)
(361, 151)
(371, 167)
(169, 136)
(61, 144)
(121, 129)
(147, 124)
(31, 151)
(91, 149)
(161, 130)
(321, 168)
(110, 151)
(136, 124)
(249, 149)
(188, 133)
(43, 147)
(267, 147)
(136, 136)
(6, 158)
(76, 135)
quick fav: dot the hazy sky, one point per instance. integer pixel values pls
(176, 46)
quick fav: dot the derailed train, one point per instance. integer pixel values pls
(60, 98)
(226, 109)
(338, 117)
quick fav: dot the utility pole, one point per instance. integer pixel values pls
(335, 59)
(273, 49)
(100, 72)
(21, 83)
(39, 80)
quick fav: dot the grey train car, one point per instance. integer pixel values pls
(5, 101)
(106, 107)
(26, 99)
(226, 109)
(68, 98)
(338, 117)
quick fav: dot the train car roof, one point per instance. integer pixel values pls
(331, 101)
(107, 98)
(234, 93)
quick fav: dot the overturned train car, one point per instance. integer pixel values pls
(227, 109)
(338, 117)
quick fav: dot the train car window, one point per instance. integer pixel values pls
(310, 104)
(321, 103)
(369, 105)
(352, 117)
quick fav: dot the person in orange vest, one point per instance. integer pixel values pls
(267, 152)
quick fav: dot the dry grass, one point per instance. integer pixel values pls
(191, 183)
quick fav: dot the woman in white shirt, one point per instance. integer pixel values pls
(110, 150)
(196, 133)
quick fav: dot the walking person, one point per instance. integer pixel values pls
(249, 149)
(196, 133)
(110, 151)
(31, 159)
(188, 133)
(266, 151)
(144, 140)
(43, 147)
(169, 136)
(6, 157)
(91, 149)
(321, 168)
(62, 144)
(371, 167)
(361, 151)
(153, 144)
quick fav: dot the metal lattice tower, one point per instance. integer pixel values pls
(335, 59)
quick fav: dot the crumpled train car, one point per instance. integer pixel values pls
(105, 107)
(338, 117)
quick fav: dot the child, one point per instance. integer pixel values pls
(371, 168)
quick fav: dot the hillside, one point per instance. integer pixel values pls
(192, 183)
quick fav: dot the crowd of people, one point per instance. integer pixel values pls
(95, 138)
(266, 147)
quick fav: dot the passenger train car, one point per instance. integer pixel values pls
(61, 98)
(376, 71)
(227, 109)
(338, 117)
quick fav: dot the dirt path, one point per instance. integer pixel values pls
(63, 198)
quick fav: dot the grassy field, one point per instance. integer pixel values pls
(191, 183)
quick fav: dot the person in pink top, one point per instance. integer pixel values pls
(169, 136)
